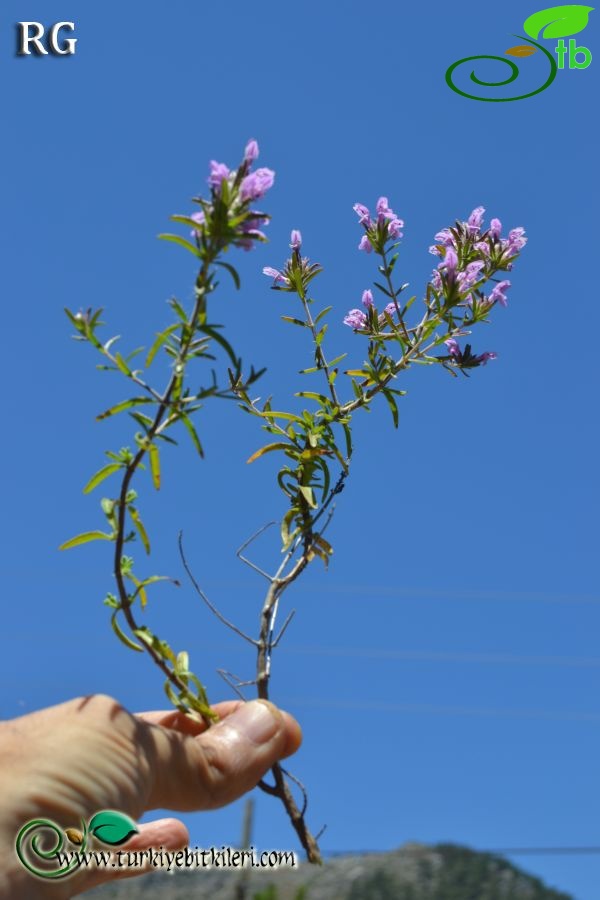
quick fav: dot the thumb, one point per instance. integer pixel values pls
(225, 761)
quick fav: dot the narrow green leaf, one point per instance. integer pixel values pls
(135, 516)
(193, 434)
(121, 634)
(161, 337)
(293, 321)
(125, 404)
(100, 475)
(268, 448)
(323, 313)
(122, 365)
(312, 395)
(176, 239)
(154, 465)
(232, 272)
(383, 289)
(174, 304)
(393, 406)
(84, 538)
(308, 494)
(214, 334)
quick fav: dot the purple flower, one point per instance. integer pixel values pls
(394, 226)
(365, 244)
(475, 220)
(256, 184)
(252, 224)
(468, 278)
(516, 240)
(276, 275)
(444, 237)
(218, 171)
(356, 318)
(436, 280)
(390, 309)
(364, 216)
(483, 358)
(482, 247)
(295, 240)
(498, 293)
(449, 262)
(495, 229)
(435, 250)
(453, 348)
(386, 214)
(251, 151)
(367, 298)
(383, 209)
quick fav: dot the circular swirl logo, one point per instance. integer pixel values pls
(555, 22)
(40, 843)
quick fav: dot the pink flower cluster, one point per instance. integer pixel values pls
(384, 227)
(358, 319)
(253, 186)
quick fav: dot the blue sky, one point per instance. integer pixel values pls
(446, 669)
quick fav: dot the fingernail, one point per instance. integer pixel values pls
(257, 720)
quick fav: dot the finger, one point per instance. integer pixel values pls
(178, 721)
(222, 763)
(166, 834)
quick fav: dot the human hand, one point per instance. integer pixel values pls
(69, 761)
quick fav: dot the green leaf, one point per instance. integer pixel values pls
(174, 304)
(557, 21)
(214, 334)
(100, 475)
(182, 243)
(111, 827)
(308, 494)
(122, 365)
(294, 321)
(121, 634)
(323, 313)
(154, 465)
(125, 404)
(286, 536)
(357, 373)
(160, 339)
(393, 406)
(268, 448)
(193, 434)
(135, 516)
(312, 395)
(232, 272)
(84, 538)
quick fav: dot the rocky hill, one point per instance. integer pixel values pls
(413, 872)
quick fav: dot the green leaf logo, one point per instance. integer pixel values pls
(557, 21)
(112, 827)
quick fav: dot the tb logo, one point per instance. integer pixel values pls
(30, 39)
